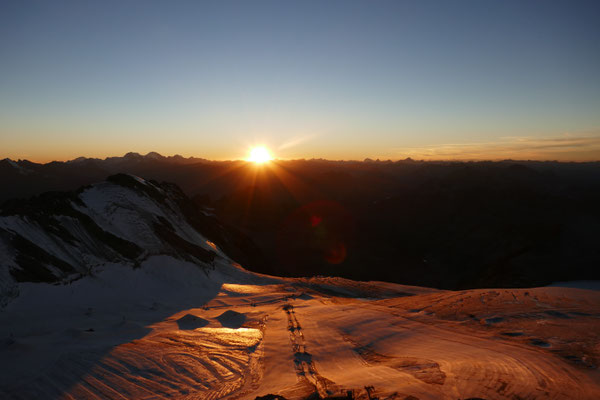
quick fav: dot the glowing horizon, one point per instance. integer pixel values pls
(582, 148)
(334, 80)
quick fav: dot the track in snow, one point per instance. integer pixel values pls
(306, 370)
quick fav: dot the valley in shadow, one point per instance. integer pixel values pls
(451, 225)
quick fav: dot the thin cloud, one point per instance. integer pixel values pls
(581, 148)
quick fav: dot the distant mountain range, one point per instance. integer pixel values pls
(452, 225)
(24, 178)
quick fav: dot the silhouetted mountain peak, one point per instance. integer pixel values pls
(16, 166)
(133, 155)
(154, 155)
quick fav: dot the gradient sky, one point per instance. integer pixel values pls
(333, 79)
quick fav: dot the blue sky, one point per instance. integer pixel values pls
(333, 79)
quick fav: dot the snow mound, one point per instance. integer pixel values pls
(190, 322)
(232, 319)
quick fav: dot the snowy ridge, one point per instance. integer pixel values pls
(58, 237)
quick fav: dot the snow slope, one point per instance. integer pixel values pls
(171, 330)
(117, 292)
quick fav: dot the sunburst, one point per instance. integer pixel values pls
(260, 155)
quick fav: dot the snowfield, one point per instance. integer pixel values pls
(125, 290)
(170, 329)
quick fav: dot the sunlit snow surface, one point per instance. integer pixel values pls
(171, 330)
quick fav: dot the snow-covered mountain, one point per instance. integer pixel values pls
(61, 236)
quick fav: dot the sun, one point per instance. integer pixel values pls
(259, 155)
